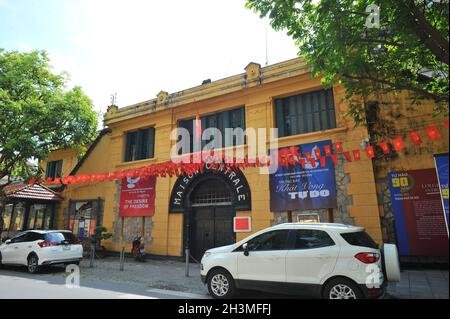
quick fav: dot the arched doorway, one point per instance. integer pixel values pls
(209, 199)
(211, 217)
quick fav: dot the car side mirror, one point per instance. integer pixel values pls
(8, 241)
(245, 247)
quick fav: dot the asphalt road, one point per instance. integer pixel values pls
(16, 283)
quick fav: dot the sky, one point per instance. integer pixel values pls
(137, 48)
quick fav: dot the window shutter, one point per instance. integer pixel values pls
(279, 117)
(128, 155)
(225, 125)
(47, 170)
(58, 170)
(151, 145)
(242, 110)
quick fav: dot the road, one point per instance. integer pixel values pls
(18, 284)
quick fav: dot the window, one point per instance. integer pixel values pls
(84, 217)
(40, 216)
(310, 238)
(360, 238)
(228, 119)
(140, 145)
(19, 238)
(18, 217)
(304, 113)
(7, 216)
(274, 240)
(54, 169)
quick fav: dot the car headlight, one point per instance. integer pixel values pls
(206, 254)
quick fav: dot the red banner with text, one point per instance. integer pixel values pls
(137, 197)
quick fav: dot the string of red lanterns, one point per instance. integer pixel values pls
(286, 157)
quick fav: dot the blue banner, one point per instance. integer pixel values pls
(294, 188)
(441, 162)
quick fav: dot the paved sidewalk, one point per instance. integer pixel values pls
(154, 273)
(421, 284)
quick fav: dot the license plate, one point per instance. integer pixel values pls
(66, 247)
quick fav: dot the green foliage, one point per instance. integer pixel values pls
(409, 50)
(99, 235)
(37, 113)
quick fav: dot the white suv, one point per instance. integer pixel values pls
(36, 249)
(332, 261)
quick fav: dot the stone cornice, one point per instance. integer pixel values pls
(251, 78)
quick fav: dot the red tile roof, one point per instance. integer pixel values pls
(33, 192)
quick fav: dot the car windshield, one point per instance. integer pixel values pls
(360, 238)
(58, 237)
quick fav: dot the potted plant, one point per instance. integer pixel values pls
(100, 233)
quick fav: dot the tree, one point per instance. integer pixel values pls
(341, 40)
(37, 113)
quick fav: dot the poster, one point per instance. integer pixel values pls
(441, 163)
(295, 188)
(137, 197)
(418, 213)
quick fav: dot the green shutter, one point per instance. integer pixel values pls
(128, 155)
(58, 170)
(279, 117)
(47, 170)
(151, 146)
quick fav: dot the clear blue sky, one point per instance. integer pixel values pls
(137, 48)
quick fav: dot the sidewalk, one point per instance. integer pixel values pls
(421, 284)
(170, 275)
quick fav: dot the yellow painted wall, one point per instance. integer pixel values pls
(167, 231)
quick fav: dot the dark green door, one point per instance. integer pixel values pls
(211, 227)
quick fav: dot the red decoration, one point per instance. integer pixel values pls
(398, 143)
(338, 147)
(327, 150)
(415, 138)
(57, 181)
(317, 152)
(323, 161)
(356, 155)
(347, 156)
(334, 158)
(312, 161)
(370, 152)
(32, 181)
(433, 132)
(385, 147)
(308, 155)
(302, 163)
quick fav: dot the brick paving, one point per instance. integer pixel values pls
(421, 284)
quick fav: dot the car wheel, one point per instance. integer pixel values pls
(341, 288)
(221, 284)
(33, 264)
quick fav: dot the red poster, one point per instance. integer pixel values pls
(137, 197)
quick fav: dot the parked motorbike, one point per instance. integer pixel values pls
(137, 249)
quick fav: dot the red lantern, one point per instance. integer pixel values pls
(433, 132)
(48, 180)
(334, 158)
(347, 156)
(398, 143)
(356, 155)
(385, 147)
(32, 181)
(40, 181)
(415, 138)
(317, 152)
(370, 152)
(323, 161)
(313, 163)
(57, 181)
(338, 147)
(327, 150)
(65, 181)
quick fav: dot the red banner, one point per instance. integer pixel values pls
(137, 197)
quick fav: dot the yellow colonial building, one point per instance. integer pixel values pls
(283, 96)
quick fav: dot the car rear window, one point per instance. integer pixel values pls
(58, 237)
(360, 238)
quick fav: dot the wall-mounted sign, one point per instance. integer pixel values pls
(295, 188)
(242, 224)
(233, 177)
(418, 214)
(137, 197)
(441, 163)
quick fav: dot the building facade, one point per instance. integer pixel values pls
(197, 211)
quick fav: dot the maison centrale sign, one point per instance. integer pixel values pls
(297, 188)
(234, 178)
